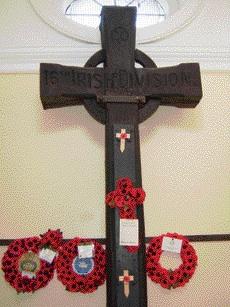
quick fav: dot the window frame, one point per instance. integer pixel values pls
(61, 23)
(77, 10)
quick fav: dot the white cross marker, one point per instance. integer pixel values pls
(126, 278)
(122, 136)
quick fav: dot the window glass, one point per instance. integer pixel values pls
(149, 12)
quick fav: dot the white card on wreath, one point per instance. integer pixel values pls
(30, 275)
(86, 250)
(47, 254)
(171, 245)
(129, 232)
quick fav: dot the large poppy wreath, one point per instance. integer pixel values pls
(22, 265)
(170, 278)
(81, 275)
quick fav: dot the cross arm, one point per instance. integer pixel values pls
(178, 86)
(66, 85)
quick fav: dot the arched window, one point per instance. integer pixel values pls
(149, 12)
(80, 18)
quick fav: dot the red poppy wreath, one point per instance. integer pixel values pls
(25, 268)
(170, 278)
(81, 274)
(126, 198)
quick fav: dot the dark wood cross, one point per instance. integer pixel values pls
(121, 96)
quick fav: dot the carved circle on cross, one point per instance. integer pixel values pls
(97, 111)
(120, 35)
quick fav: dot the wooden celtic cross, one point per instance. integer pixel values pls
(121, 96)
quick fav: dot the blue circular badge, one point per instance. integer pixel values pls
(83, 266)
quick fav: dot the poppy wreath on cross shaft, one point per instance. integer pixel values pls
(126, 198)
(77, 282)
(170, 278)
(23, 268)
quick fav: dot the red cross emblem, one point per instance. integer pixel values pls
(126, 278)
(122, 136)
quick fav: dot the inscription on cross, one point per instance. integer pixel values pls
(121, 96)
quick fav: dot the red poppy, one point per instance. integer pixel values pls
(109, 200)
(119, 201)
(124, 184)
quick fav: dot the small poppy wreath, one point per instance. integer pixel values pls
(76, 282)
(170, 278)
(23, 268)
(126, 198)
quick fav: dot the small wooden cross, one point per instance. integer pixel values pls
(122, 136)
(126, 278)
